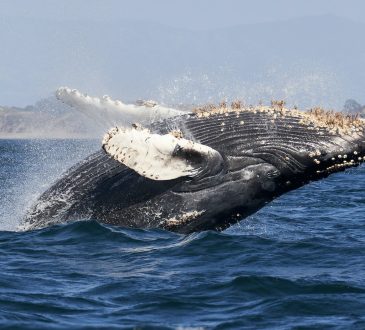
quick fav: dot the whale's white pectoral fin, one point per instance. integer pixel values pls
(109, 112)
(161, 157)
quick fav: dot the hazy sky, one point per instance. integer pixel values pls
(194, 14)
(110, 47)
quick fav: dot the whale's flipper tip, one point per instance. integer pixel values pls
(109, 112)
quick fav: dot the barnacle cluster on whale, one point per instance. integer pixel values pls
(194, 170)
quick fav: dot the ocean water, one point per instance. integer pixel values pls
(298, 263)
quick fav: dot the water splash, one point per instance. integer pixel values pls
(29, 167)
(300, 84)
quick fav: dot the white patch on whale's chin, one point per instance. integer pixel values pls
(108, 112)
(155, 156)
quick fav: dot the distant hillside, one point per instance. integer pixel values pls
(46, 119)
(351, 106)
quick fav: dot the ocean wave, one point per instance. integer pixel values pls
(86, 272)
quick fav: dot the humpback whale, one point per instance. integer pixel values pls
(201, 170)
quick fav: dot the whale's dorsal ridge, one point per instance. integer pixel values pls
(161, 157)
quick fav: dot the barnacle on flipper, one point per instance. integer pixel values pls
(177, 133)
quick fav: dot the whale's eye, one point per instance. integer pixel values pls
(273, 174)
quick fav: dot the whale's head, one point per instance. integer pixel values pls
(213, 167)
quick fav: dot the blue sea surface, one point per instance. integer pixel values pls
(298, 263)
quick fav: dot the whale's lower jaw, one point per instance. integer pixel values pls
(201, 171)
